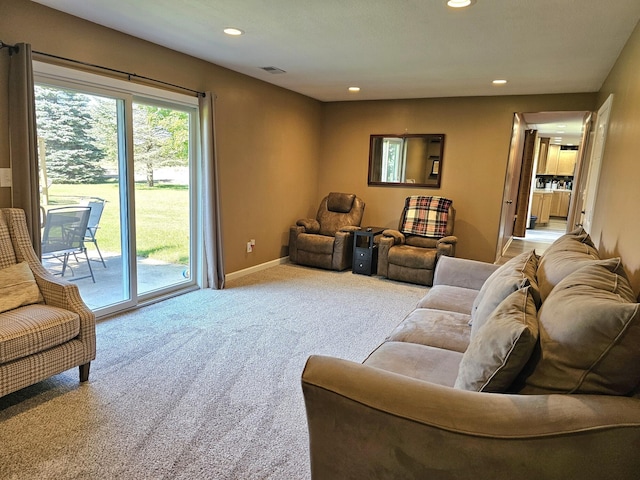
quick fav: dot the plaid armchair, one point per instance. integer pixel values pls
(45, 327)
(425, 232)
(327, 241)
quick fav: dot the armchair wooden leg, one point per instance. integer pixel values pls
(84, 372)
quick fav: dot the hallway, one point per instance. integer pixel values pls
(539, 239)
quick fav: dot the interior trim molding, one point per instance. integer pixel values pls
(256, 268)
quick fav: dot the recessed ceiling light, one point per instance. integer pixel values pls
(460, 3)
(354, 89)
(233, 31)
(499, 82)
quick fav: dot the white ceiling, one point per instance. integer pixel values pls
(389, 48)
(392, 49)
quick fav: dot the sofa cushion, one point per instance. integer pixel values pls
(564, 256)
(315, 243)
(589, 335)
(413, 257)
(34, 328)
(502, 346)
(515, 274)
(18, 287)
(423, 362)
(437, 328)
(449, 298)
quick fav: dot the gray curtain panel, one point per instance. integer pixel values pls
(214, 259)
(23, 147)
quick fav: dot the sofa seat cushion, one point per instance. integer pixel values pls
(517, 273)
(316, 243)
(413, 257)
(448, 298)
(35, 328)
(436, 328)
(502, 347)
(589, 335)
(422, 362)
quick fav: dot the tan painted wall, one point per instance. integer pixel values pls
(477, 136)
(616, 225)
(268, 137)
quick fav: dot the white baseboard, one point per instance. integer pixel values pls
(256, 268)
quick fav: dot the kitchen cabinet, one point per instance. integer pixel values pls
(560, 203)
(552, 160)
(541, 206)
(543, 152)
(566, 162)
(559, 162)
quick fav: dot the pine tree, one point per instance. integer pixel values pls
(64, 122)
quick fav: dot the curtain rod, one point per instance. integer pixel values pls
(129, 75)
(11, 48)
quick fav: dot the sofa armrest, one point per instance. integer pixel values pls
(56, 292)
(447, 246)
(462, 272)
(310, 225)
(397, 236)
(350, 228)
(364, 421)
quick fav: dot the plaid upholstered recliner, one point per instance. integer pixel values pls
(410, 253)
(327, 240)
(45, 327)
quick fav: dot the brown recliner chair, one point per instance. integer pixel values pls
(327, 241)
(410, 253)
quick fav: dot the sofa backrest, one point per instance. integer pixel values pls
(338, 210)
(7, 252)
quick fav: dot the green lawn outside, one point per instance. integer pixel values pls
(162, 217)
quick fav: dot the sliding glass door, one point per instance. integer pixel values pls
(127, 160)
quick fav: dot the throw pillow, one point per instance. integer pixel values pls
(18, 287)
(589, 335)
(502, 347)
(566, 255)
(517, 273)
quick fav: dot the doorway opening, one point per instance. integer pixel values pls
(546, 164)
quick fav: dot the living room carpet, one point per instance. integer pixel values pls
(205, 385)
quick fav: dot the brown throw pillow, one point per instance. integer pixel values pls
(517, 273)
(502, 346)
(589, 335)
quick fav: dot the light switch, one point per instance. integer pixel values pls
(5, 177)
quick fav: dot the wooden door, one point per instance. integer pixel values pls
(512, 180)
(524, 186)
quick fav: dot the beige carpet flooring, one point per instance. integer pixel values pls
(202, 386)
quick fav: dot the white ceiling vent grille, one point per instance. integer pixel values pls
(273, 70)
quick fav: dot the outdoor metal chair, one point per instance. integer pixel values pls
(97, 206)
(63, 236)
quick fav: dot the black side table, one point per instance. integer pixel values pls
(365, 250)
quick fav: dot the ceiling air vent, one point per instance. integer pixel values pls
(273, 70)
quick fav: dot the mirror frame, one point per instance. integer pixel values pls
(436, 163)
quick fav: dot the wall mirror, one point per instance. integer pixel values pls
(410, 159)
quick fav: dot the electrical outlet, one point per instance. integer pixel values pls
(249, 247)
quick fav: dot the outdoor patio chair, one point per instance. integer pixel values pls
(63, 236)
(97, 206)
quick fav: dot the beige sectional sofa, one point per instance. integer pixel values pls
(527, 370)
